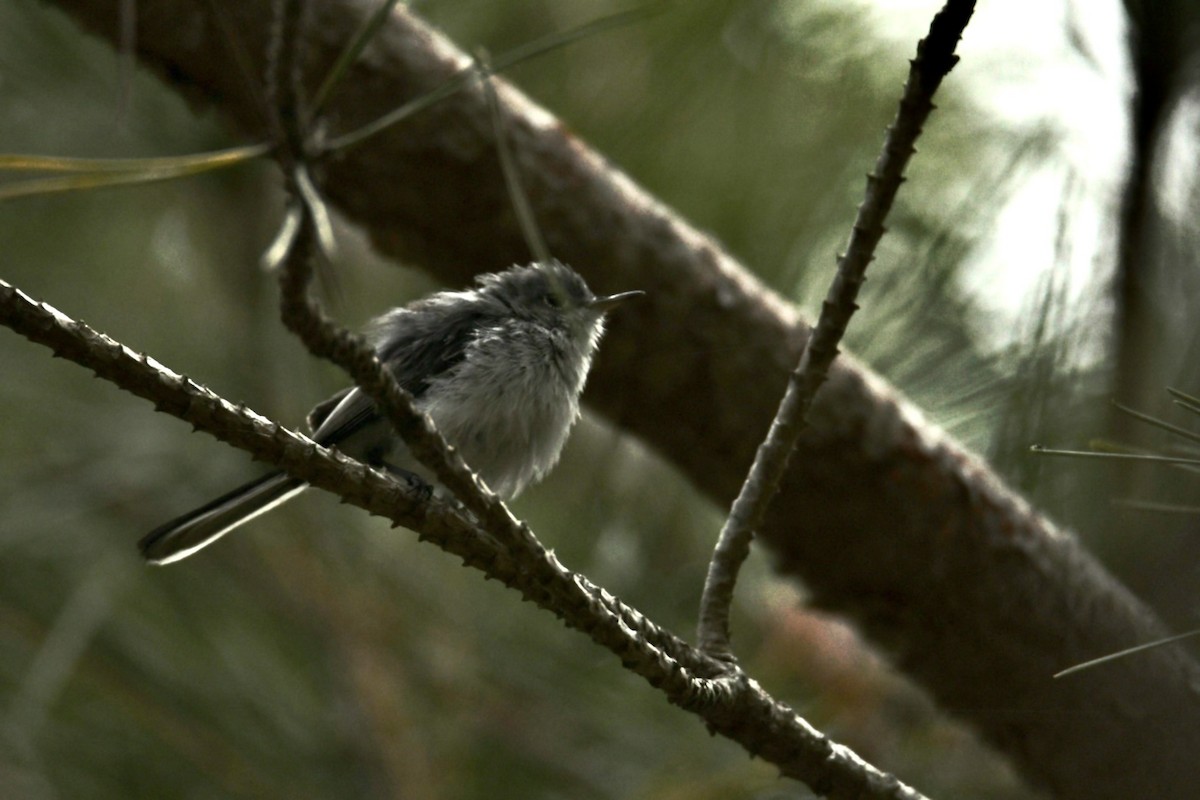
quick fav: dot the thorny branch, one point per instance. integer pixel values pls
(934, 60)
(762, 725)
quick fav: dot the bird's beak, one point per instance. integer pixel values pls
(605, 304)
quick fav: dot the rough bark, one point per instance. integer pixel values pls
(886, 520)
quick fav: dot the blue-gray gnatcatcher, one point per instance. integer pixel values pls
(498, 367)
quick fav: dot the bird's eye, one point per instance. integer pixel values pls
(553, 300)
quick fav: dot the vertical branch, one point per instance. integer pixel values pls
(324, 338)
(285, 80)
(934, 60)
(508, 164)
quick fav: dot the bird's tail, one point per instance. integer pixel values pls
(184, 535)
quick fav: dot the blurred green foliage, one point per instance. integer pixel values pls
(320, 654)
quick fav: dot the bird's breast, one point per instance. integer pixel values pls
(508, 411)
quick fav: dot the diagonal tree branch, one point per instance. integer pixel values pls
(978, 597)
(767, 728)
(935, 58)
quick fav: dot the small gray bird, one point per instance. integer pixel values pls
(498, 367)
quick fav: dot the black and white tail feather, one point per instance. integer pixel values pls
(183, 536)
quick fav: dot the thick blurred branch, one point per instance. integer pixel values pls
(979, 598)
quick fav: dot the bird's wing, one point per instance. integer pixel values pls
(417, 346)
(322, 410)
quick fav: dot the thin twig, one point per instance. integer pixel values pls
(1095, 662)
(1047, 451)
(513, 57)
(285, 81)
(1158, 423)
(362, 37)
(512, 177)
(1184, 399)
(77, 174)
(1136, 504)
(935, 58)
